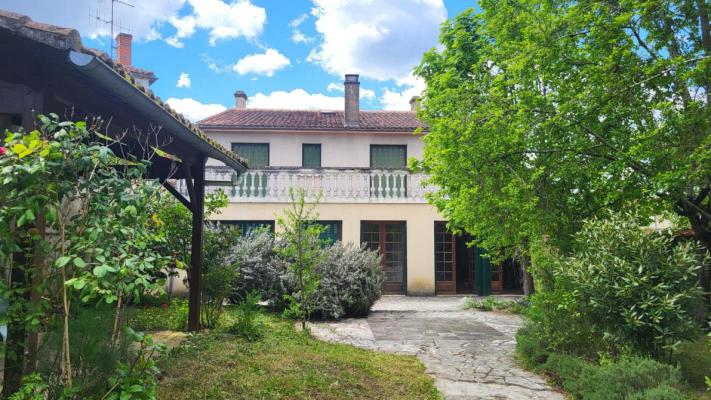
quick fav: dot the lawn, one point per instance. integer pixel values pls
(285, 364)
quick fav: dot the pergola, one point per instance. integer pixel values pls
(46, 69)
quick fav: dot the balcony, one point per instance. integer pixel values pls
(272, 185)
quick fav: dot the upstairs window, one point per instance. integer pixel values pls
(257, 154)
(311, 155)
(388, 156)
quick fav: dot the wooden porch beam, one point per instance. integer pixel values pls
(169, 186)
(197, 199)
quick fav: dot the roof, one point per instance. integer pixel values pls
(394, 121)
(143, 73)
(69, 41)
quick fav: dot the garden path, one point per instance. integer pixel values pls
(469, 353)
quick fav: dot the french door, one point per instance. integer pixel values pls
(445, 259)
(389, 239)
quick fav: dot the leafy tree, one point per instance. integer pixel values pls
(544, 113)
(303, 251)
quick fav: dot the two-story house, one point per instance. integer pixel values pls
(357, 161)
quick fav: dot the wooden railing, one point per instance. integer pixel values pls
(333, 185)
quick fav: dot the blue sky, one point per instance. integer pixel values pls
(283, 54)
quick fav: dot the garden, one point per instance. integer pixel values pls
(88, 242)
(576, 138)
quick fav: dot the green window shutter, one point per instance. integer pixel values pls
(388, 156)
(257, 154)
(311, 154)
(331, 232)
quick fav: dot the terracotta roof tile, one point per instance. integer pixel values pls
(311, 120)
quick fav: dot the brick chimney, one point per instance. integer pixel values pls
(352, 110)
(240, 100)
(414, 102)
(123, 49)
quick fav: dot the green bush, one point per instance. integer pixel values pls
(531, 347)
(173, 317)
(248, 324)
(630, 377)
(351, 277)
(491, 303)
(220, 270)
(624, 288)
(694, 361)
(33, 388)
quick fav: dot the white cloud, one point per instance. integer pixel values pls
(298, 37)
(239, 18)
(184, 80)
(399, 99)
(261, 64)
(141, 20)
(213, 65)
(296, 99)
(366, 94)
(383, 41)
(193, 109)
(296, 22)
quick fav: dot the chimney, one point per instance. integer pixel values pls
(123, 49)
(414, 102)
(240, 100)
(352, 110)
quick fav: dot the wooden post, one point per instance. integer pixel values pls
(195, 279)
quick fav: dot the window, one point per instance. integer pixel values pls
(388, 156)
(257, 154)
(389, 239)
(444, 253)
(311, 155)
(245, 227)
(332, 232)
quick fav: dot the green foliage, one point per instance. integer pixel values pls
(628, 378)
(33, 388)
(625, 287)
(532, 347)
(694, 361)
(173, 317)
(136, 378)
(493, 304)
(247, 313)
(351, 277)
(543, 114)
(303, 252)
(220, 270)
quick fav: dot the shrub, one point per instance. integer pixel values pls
(351, 280)
(33, 388)
(493, 304)
(248, 325)
(261, 269)
(694, 361)
(630, 377)
(220, 270)
(623, 287)
(531, 347)
(351, 277)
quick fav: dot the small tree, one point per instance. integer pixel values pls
(303, 251)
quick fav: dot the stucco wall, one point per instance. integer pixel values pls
(419, 220)
(338, 149)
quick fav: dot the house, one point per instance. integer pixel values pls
(357, 161)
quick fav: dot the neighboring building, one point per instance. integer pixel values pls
(357, 161)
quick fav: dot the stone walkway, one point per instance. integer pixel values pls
(469, 353)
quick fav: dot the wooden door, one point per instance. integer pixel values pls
(445, 259)
(389, 239)
(496, 275)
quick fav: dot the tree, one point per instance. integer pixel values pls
(544, 113)
(303, 251)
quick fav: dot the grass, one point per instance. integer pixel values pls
(286, 364)
(494, 304)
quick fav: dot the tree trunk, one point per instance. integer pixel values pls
(527, 278)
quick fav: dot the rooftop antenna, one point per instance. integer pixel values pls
(110, 22)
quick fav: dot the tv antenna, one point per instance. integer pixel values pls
(110, 21)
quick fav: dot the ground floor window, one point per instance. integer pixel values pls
(332, 232)
(245, 227)
(389, 238)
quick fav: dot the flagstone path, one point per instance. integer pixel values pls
(469, 353)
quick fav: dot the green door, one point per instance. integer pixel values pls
(482, 273)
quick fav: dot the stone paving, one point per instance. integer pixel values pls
(469, 353)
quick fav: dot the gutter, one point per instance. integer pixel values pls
(95, 69)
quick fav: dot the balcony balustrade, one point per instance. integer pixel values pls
(332, 185)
